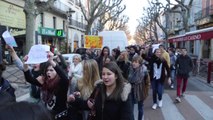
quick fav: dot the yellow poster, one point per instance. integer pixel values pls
(93, 41)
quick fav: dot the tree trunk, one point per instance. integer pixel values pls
(30, 31)
(88, 28)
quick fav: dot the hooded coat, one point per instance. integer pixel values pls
(114, 109)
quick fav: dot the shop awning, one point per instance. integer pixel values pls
(203, 34)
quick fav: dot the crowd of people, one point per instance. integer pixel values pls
(109, 84)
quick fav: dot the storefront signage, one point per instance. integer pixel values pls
(12, 15)
(51, 32)
(47, 31)
(60, 33)
(197, 36)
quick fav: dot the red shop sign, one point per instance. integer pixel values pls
(197, 36)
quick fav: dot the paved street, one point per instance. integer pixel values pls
(196, 105)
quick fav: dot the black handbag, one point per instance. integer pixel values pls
(92, 112)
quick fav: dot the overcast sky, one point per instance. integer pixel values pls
(134, 9)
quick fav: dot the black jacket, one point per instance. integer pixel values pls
(6, 87)
(112, 109)
(124, 67)
(58, 102)
(183, 65)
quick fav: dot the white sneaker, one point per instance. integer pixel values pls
(178, 99)
(172, 86)
(154, 106)
(160, 103)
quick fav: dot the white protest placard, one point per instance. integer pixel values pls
(37, 54)
(46, 47)
(9, 39)
(155, 46)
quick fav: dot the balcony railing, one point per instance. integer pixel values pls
(61, 6)
(76, 24)
(204, 13)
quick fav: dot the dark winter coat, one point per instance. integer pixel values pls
(165, 68)
(6, 87)
(124, 67)
(115, 110)
(59, 99)
(112, 109)
(183, 65)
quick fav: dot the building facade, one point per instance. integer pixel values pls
(56, 27)
(198, 40)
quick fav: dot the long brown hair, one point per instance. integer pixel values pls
(112, 66)
(50, 85)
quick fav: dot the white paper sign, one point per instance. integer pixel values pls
(9, 39)
(46, 47)
(155, 46)
(37, 54)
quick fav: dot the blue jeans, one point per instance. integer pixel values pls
(140, 106)
(157, 89)
(172, 76)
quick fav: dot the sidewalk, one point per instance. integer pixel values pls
(17, 80)
(204, 80)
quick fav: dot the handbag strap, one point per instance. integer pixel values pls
(102, 102)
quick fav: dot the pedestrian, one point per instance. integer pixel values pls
(164, 54)
(139, 79)
(75, 72)
(132, 52)
(172, 66)
(87, 84)
(61, 61)
(115, 53)
(124, 63)
(5, 86)
(53, 84)
(158, 66)
(183, 65)
(115, 94)
(111, 98)
(35, 70)
(102, 57)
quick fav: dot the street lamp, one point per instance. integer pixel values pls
(69, 21)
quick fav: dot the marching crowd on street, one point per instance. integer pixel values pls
(102, 85)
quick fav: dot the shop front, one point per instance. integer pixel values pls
(199, 40)
(55, 38)
(12, 19)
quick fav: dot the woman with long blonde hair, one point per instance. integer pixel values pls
(86, 85)
(90, 76)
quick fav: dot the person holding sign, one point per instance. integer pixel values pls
(53, 83)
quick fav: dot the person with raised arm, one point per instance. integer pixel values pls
(53, 84)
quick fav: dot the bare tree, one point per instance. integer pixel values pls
(32, 9)
(98, 8)
(148, 24)
(156, 8)
(140, 34)
(118, 23)
(114, 19)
